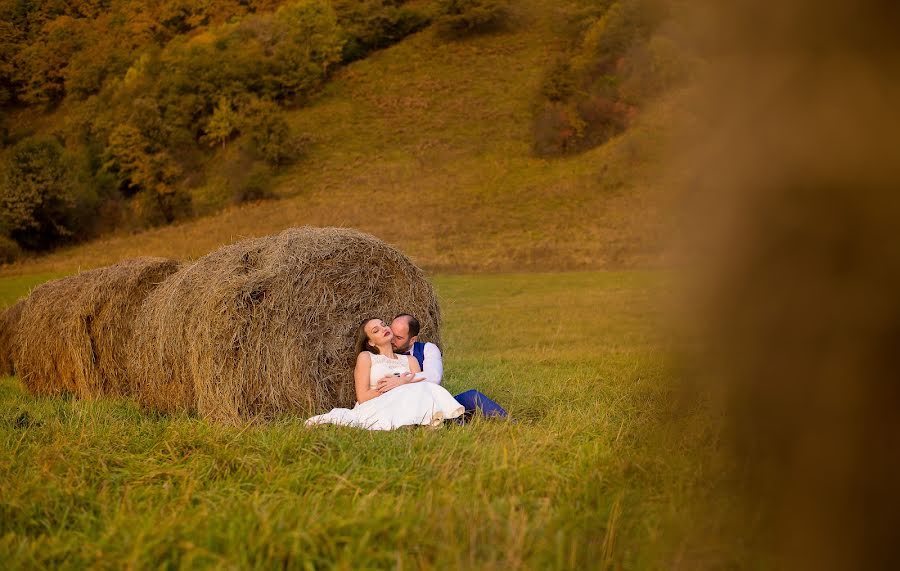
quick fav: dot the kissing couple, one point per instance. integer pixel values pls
(398, 382)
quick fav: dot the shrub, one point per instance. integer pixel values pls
(255, 186)
(9, 250)
(149, 208)
(461, 18)
(269, 134)
(559, 83)
(554, 133)
(617, 64)
(603, 118)
(370, 25)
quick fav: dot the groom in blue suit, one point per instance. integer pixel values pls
(406, 334)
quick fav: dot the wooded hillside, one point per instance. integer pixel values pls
(121, 116)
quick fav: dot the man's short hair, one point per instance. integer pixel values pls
(414, 324)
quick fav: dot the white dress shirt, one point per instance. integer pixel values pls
(433, 366)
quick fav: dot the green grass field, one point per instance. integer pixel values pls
(594, 474)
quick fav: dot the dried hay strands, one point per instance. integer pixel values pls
(9, 323)
(265, 326)
(74, 331)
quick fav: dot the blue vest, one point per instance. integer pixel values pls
(418, 351)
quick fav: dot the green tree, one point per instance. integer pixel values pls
(223, 123)
(37, 194)
(268, 132)
(310, 41)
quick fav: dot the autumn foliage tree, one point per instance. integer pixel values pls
(620, 61)
(38, 198)
(149, 91)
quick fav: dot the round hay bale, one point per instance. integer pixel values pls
(266, 325)
(9, 322)
(74, 331)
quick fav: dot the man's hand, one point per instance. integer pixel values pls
(393, 381)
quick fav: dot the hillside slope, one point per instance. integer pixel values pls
(428, 145)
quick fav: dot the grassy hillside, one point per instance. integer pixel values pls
(592, 476)
(427, 145)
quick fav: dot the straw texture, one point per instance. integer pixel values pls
(74, 332)
(9, 323)
(265, 326)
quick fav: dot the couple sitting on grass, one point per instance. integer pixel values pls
(398, 382)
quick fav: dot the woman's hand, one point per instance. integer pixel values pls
(394, 381)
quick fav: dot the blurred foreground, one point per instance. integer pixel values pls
(796, 178)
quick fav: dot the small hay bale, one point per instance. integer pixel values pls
(9, 322)
(266, 326)
(74, 331)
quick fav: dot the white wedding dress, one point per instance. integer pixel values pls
(419, 403)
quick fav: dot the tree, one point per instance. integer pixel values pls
(42, 64)
(269, 133)
(223, 123)
(37, 194)
(143, 168)
(310, 42)
(10, 39)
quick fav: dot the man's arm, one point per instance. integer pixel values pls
(433, 369)
(391, 382)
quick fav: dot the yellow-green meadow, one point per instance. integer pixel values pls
(600, 469)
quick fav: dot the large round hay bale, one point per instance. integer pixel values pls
(266, 325)
(9, 323)
(74, 331)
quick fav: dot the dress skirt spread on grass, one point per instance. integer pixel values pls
(422, 403)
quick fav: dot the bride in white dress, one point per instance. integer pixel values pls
(388, 393)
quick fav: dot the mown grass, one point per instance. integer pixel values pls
(14, 287)
(591, 476)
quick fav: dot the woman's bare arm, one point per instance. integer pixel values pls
(361, 378)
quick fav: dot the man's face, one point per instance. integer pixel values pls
(401, 340)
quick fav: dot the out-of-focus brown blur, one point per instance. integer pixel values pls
(795, 178)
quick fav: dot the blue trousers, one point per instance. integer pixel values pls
(474, 401)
